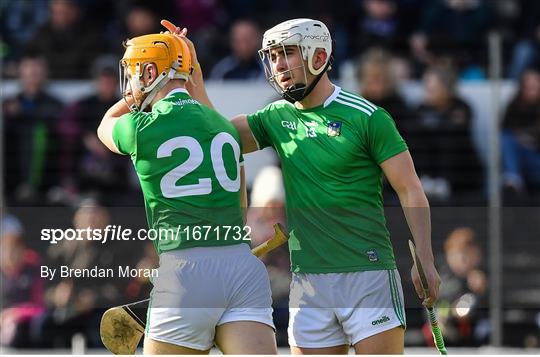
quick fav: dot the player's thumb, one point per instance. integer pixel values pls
(168, 25)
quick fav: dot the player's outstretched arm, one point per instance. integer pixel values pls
(195, 86)
(243, 193)
(249, 144)
(106, 126)
(402, 176)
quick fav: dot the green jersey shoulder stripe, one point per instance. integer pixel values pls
(369, 107)
(355, 105)
(360, 99)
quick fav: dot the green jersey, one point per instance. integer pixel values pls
(330, 157)
(187, 158)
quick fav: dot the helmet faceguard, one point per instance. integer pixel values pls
(307, 35)
(295, 92)
(168, 52)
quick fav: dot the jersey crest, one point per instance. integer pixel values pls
(333, 129)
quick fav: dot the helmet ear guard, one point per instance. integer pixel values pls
(168, 52)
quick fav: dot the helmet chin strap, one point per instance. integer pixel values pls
(157, 86)
(297, 92)
(294, 93)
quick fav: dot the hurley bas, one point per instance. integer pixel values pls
(125, 271)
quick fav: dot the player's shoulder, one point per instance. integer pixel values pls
(137, 119)
(354, 105)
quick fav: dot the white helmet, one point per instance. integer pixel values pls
(308, 35)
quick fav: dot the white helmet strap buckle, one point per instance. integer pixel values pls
(160, 82)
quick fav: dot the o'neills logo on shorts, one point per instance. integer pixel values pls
(382, 320)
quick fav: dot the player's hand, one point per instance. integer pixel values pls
(182, 32)
(433, 280)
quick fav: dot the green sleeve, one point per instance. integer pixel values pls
(257, 122)
(383, 137)
(124, 134)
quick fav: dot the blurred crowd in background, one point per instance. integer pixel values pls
(52, 156)
(52, 152)
(70, 34)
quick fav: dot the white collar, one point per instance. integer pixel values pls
(176, 90)
(332, 96)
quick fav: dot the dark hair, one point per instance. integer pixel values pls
(34, 54)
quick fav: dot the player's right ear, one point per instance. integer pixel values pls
(150, 73)
(319, 58)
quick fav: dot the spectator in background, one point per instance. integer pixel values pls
(206, 23)
(140, 19)
(526, 52)
(243, 62)
(377, 79)
(378, 85)
(441, 142)
(67, 41)
(21, 290)
(455, 29)
(521, 138)
(75, 305)
(380, 26)
(30, 145)
(266, 209)
(19, 20)
(87, 166)
(462, 305)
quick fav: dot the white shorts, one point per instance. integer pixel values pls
(335, 309)
(200, 288)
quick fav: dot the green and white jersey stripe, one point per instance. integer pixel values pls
(356, 102)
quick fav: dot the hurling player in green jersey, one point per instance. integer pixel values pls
(334, 148)
(210, 289)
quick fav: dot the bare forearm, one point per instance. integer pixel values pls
(118, 109)
(243, 194)
(197, 89)
(417, 213)
(401, 174)
(106, 126)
